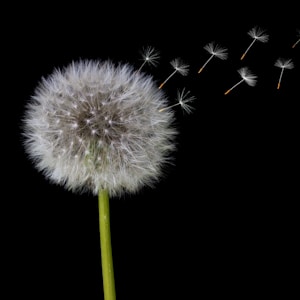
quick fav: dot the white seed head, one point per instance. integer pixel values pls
(216, 50)
(258, 33)
(247, 76)
(184, 99)
(284, 63)
(95, 125)
(180, 66)
(150, 55)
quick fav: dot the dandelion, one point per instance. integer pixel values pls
(183, 99)
(247, 76)
(283, 64)
(257, 34)
(85, 128)
(179, 67)
(150, 56)
(96, 127)
(214, 50)
(297, 41)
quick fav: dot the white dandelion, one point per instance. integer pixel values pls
(214, 50)
(247, 77)
(95, 126)
(258, 34)
(297, 41)
(179, 66)
(283, 64)
(183, 99)
(149, 56)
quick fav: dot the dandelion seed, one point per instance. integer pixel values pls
(150, 56)
(283, 64)
(179, 67)
(297, 41)
(214, 50)
(247, 76)
(258, 35)
(183, 99)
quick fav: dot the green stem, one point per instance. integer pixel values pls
(105, 244)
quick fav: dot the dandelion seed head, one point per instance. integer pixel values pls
(184, 98)
(96, 125)
(284, 63)
(247, 76)
(150, 55)
(216, 50)
(259, 34)
(180, 66)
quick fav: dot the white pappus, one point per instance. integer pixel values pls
(96, 125)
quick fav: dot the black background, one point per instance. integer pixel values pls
(223, 221)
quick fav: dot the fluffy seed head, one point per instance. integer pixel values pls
(258, 33)
(247, 76)
(180, 66)
(184, 99)
(96, 125)
(216, 50)
(150, 55)
(284, 63)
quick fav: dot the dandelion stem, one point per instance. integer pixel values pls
(105, 244)
(295, 44)
(242, 57)
(280, 78)
(201, 69)
(140, 68)
(162, 109)
(233, 87)
(168, 78)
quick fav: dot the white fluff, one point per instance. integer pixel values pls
(96, 125)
